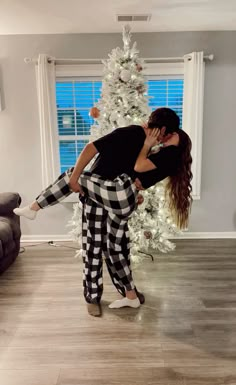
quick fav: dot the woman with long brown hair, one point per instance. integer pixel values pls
(128, 162)
(178, 186)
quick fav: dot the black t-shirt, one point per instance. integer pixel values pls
(119, 150)
(166, 161)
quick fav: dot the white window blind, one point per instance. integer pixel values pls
(75, 97)
(166, 92)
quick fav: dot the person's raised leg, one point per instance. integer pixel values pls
(50, 196)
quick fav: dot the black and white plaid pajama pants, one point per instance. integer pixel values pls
(106, 209)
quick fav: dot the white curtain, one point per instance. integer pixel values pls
(45, 76)
(194, 69)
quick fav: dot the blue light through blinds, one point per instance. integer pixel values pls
(75, 98)
(69, 152)
(166, 93)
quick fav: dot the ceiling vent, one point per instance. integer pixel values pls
(130, 18)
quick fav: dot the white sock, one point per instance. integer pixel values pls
(26, 212)
(125, 302)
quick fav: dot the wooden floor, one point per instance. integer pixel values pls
(185, 334)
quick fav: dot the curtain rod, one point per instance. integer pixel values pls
(29, 60)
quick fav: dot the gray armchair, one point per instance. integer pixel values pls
(10, 231)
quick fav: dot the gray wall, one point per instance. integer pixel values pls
(19, 127)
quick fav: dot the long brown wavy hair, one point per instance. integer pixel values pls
(178, 186)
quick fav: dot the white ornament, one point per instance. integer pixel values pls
(125, 75)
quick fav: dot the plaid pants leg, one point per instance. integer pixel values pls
(125, 249)
(118, 263)
(93, 222)
(57, 191)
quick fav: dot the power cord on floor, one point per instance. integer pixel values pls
(50, 243)
(148, 255)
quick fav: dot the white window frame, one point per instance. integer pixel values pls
(162, 70)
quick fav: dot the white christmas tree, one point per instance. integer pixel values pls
(123, 102)
(124, 98)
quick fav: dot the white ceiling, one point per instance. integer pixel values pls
(94, 16)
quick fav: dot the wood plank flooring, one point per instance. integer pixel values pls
(185, 334)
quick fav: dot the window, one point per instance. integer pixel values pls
(177, 85)
(78, 87)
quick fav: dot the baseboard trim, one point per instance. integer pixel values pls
(206, 235)
(46, 238)
(184, 235)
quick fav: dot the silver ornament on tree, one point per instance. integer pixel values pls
(125, 75)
